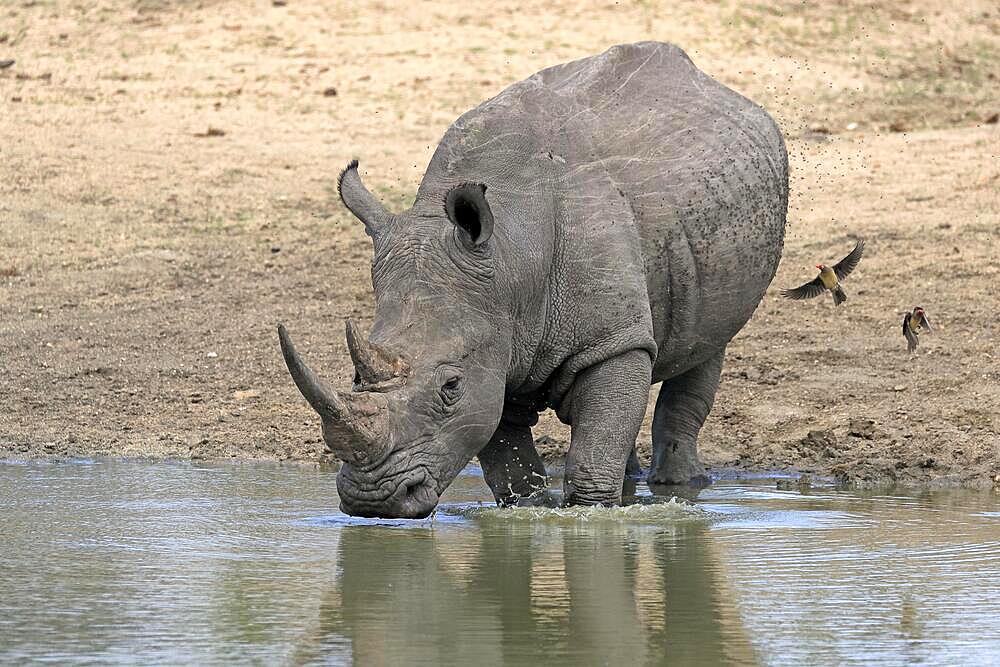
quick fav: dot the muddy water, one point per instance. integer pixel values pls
(175, 563)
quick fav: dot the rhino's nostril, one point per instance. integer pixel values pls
(413, 487)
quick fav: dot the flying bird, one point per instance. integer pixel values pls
(914, 322)
(829, 278)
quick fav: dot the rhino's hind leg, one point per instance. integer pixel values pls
(605, 410)
(633, 473)
(511, 465)
(681, 409)
(633, 469)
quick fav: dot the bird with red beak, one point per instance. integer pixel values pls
(914, 322)
(829, 279)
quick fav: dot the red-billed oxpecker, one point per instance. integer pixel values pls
(829, 279)
(914, 322)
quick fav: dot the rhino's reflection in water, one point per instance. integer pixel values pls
(524, 593)
(178, 564)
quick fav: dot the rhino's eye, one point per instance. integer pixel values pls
(451, 390)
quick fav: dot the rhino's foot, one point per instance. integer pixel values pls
(686, 491)
(686, 471)
(525, 494)
(582, 489)
(685, 481)
(542, 498)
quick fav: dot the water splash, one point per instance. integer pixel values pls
(665, 512)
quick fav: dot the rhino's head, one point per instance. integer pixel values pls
(429, 380)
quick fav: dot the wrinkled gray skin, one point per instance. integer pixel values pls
(601, 226)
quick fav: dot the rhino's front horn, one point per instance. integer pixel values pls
(353, 424)
(373, 363)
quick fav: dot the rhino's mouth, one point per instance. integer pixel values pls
(409, 494)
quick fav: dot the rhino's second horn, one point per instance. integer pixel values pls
(353, 423)
(372, 363)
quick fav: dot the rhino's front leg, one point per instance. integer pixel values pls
(511, 465)
(607, 404)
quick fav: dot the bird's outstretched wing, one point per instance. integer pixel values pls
(911, 338)
(924, 322)
(811, 289)
(844, 267)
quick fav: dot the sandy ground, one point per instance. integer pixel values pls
(167, 195)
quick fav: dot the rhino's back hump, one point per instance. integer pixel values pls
(637, 141)
(640, 118)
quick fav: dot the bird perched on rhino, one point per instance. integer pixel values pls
(914, 322)
(829, 279)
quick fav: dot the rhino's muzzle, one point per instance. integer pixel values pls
(410, 495)
(354, 423)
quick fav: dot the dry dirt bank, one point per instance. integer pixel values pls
(167, 196)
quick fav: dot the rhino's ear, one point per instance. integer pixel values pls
(359, 200)
(468, 210)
